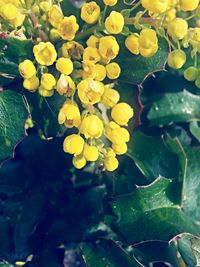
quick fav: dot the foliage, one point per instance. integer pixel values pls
(145, 213)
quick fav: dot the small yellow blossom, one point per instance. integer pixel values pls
(55, 16)
(132, 43)
(89, 70)
(73, 144)
(120, 149)
(110, 97)
(155, 6)
(90, 91)
(108, 47)
(69, 115)
(110, 2)
(93, 41)
(90, 12)
(91, 54)
(114, 23)
(65, 85)
(72, 49)
(91, 126)
(113, 70)
(48, 81)
(44, 92)
(90, 153)
(190, 5)
(177, 28)
(111, 163)
(8, 11)
(27, 69)
(100, 72)
(122, 113)
(64, 65)
(68, 28)
(176, 59)
(116, 134)
(79, 162)
(31, 84)
(45, 53)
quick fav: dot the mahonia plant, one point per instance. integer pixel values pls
(79, 62)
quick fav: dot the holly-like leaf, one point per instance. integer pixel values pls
(189, 247)
(149, 213)
(195, 129)
(191, 190)
(13, 115)
(174, 107)
(44, 112)
(107, 253)
(159, 160)
(136, 68)
(13, 51)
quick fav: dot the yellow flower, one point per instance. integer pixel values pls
(177, 28)
(72, 49)
(79, 162)
(91, 54)
(91, 126)
(18, 21)
(45, 53)
(122, 113)
(191, 74)
(64, 65)
(68, 28)
(110, 2)
(27, 69)
(110, 97)
(120, 149)
(31, 84)
(93, 41)
(100, 72)
(190, 5)
(114, 23)
(45, 6)
(116, 134)
(155, 6)
(111, 163)
(48, 81)
(90, 153)
(44, 92)
(113, 70)
(108, 47)
(132, 44)
(89, 70)
(20, 263)
(73, 144)
(69, 115)
(148, 42)
(55, 16)
(65, 85)
(8, 11)
(90, 12)
(176, 59)
(170, 15)
(90, 91)
(54, 35)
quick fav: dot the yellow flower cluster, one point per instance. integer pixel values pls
(12, 12)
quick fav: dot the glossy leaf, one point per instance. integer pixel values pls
(149, 212)
(13, 115)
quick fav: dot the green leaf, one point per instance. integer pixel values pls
(136, 68)
(44, 112)
(13, 51)
(107, 253)
(174, 107)
(149, 213)
(189, 247)
(191, 192)
(158, 161)
(13, 115)
(195, 129)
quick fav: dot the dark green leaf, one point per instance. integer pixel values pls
(107, 253)
(44, 113)
(195, 129)
(13, 115)
(189, 248)
(191, 189)
(136, 68)
(149, 213)
(174, 107)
